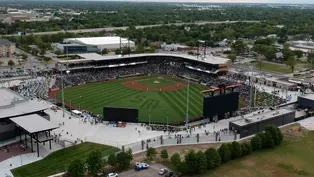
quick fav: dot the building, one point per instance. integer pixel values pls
(306, 101)
(109, 42)
(7, 48)
(76, 48)
(255, 122)
(25, 118)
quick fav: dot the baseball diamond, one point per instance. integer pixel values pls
(159, 96)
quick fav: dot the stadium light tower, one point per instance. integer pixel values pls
(62, 84)
(187, 105)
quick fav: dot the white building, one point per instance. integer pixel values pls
(111, 43)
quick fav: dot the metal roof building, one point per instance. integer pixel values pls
(107, 42)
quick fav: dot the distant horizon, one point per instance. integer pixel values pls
(300, 2)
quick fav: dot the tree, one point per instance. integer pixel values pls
(232, 57)
(104, 51)
(76, 168)
(164, 154)
(287, 53)
(1, 62)
(238, 47)
(191, 162)
(112, 160)
(151, 153)
(260, 60)
(224, 153)
(47, 59)
(175, 159)
(42, 51)
(201, 162)
(35, 51)
(11, 63)
(123, 160)
(246, 148)
(230, 147)
(213, 158)
(291, 62)
(269, 140)
(237, 150)
(298, 53)
(311, 58)
(275, 133)
(256, 143)
(118, 52)
(58, 52)
(94, 162)
(130, 152)
(24, 56)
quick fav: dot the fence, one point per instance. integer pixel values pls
(182, 139)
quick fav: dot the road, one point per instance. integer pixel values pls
(137, 27)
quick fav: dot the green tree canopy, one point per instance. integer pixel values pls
(175, 159)
(76, 168)
(213, 158)
(164, 154)
(112, 160)
(123, 160)
(151, 153)
(224, 153)
(94, 162)
(237, 150)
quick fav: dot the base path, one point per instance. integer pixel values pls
(137, 86)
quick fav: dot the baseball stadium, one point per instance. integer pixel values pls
(164, 89)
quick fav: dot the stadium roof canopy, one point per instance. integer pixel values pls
(98, 40)
(12, 104)
(34, 123)
(96, 57)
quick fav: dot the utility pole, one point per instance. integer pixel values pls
(149, 116)
(187, 105)
(167, 121)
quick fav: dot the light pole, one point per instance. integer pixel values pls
(62, 89)
(167, 121)
(149, 116)
(187, 105)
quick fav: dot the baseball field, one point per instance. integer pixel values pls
(162, 96)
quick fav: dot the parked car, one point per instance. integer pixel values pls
(170, 174)
(141, 166)
(162, 171)
(112, 175)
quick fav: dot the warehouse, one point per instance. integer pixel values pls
(256, 122)
(306, 101)
(108, 42)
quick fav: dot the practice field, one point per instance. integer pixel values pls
(161, 96)
(58, 161)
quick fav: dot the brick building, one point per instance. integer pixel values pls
(7, 48)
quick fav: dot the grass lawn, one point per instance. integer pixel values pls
(58, 161)
(93, 97)
(294, 158)
(274, 67)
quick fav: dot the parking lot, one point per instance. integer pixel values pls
(152, 171)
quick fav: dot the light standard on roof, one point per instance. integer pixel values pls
(62, 88)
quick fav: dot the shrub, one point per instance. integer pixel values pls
(151, 153)
(224, 153)
(256, 143)
(123, 160)
(213, 158)
(237, 150)
(164, 154)
(269, 140)
(230, 147)
(175, 159)
(191, 162)
(201, 162)
(112, 160)
(275, 133)
(76, 168)
(246, 148)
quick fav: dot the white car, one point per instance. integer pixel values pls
(162, 171)
(112, 175)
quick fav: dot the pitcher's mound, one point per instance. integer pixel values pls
(156, 82)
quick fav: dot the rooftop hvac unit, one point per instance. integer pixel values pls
(248, 119)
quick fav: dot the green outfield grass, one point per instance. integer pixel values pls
(58, 161)
(93, 97)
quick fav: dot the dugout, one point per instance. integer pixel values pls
(255, 122)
